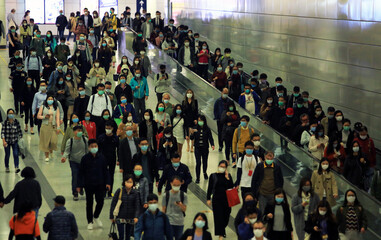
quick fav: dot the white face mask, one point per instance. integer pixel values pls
(363, 137)
(351, 199)
(124, 60)
(325, 166)
(269, 101)
(221, 169)
(258, 233)
(146, 117)
(136, 62)
(189, 95)
(252, 220)
(129, 118)
(176, 188)
(322, 213)
(108, 131)
(339, 118)
(257, 143)
(96, 65)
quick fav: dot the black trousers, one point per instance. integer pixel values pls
(111, 170)
(228, 148)
(201, 153)
(17, 101)
(221, 214)
(35, 76)
(159, 97)
(202, 70)
(99, 193)
(28, 115)
(244, 190)
(219, 131)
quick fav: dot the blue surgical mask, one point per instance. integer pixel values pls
(249, 151)
(83, 92)
(175, 164)
(29, 82)
(144, 148)
(313, 129)
(60, 82)
(50, 102)
(11, 116)
(104, 44)
(269, 161)
(235, 71)
(129, 133)
(75, 120)
(253, 85)
(279, 200)
(243, 124)
(200, 224)
(87, 118)
(320, 134)
(178, 111)
(166, 101)
(123, 101)
(122, 80)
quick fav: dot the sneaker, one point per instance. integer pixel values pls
(47, 159)
(90, 226)
(205, 176)
(98, 222)
(7, 170)
(17, 170)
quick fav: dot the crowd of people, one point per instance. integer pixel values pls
(113, 126)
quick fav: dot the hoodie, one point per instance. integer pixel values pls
(27, 225)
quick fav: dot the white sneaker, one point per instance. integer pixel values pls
(98, 222)
(90, 226)
(47, 159)
(7, 170)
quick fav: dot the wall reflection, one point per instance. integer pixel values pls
(332, 48)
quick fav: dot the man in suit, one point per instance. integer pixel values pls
(158, 21)
(87, 18)
(128, 147)
(147, 27)
(170, 28)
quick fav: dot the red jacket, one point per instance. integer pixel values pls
(26, 225)
(333, 160)
(367, 148)
(91, 129)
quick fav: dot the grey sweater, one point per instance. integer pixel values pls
(78, 149)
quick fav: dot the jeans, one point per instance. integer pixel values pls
(61, 33)
(68, 37)
(201, 153)
(74, 176)
(15, 149)
(264, 200)
(140, 107)
(125, 231)
(177, 231)
(99, 192)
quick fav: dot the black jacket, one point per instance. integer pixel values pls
(28, 95)
(190, 112)
(130, 207)
(190, 233)
(143, 132)
(93, 171)
(274, 116)
(126, 91)
(298, 130)
(207, 135)
(137, 158)
(287, 130)
(258, 175)
(333, 233)
(80, 106)
(160, 25)
(62, 21)
(180, 56)
(270, 208)
(139, 44)
(1, 193)
(108, 146)
(169, 172)
(102, 126)
(27, 189)
(125, 156)
(89, 21)
(167, 151)
(60, 224)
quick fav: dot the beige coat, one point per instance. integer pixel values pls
(73, 22)
(327, 182)
(94, 79)
(313, 146)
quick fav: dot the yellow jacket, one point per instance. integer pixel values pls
(244, 136)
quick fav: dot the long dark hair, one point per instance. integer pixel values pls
(125, 116)
(320, 169)
(26, 207)
(356, 203)
(174, 114)
(150, 115)
(204, 218)
(350, 150)
(319, 128)
(330, 148)
(203, 118)
(316, 216)
(281, 191)
(303, 182)
(55, 104)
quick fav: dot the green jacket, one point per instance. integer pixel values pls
(341, 216)
(69, 134)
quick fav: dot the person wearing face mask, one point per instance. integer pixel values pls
(158, 22)
(128, 147)
(147, 27)
(241, 135)
(125, 208)
(162, 82)
(69, 133)
(324, 182)
(351, 218)
(128, 119)
(215, 57)
(38, 100)
(202, 136)
(154, 223)
(267, 177)
(62, 51)
(246, 166)
(55, 74)
(304, 203)
(224, 60)
(71, 68)
(49, 113)
(199, 229)
(280, 92)
(146, 158)
(291, 102)
(346, 135)
(123, 107)
(173, 169)
(14, 41)
(93, 176)
(316, 113)
(101, 125)
(161, 117)
(304, 124)
(179, 129)
(275, 114)
(230, 120)
(169, 45)
(278, 217)
(81, 102)
(96, 75)
(74, 151)
(158, 37)
(322, 223)
(82, 50)
(108, 39)
(249, 100)
(63, 96)
(174, 205)
(190, 111)
(306, 135)
(318, 142)
(234, 84)
(299, 108)
(25, 37)
(326, 121)
(139, 43)
(97, 23)
(104, 54)
(167, 147)
(258, 151)
(72, 23)
(249, 205)
(33, 66)
(355, 166)
(203, 56)
(186, 55)
(278, 82)
(38, 44)
(219, 78)
(170, 28)
(148, 129)
(137, 23)
(336, 125)
(140, 90)
(16, 85)
(367, 146)
(141, 185)
(145, 63)
(220, 106)
(125, 64)
(26, 102)
(219, 182)
(335, 153)
(86, 18)
(15, 59)
(11, 133)
(287, 123)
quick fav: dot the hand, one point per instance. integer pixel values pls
(145, 205)
(229, 124)
(63, 160)
(209, 203)
(335, 196)
(195, 121)
(11, 89)
(137, 87)
(304, 204)
(58, 131)
(234, 155)
(246, 220)
(213, 148)
(270, 215)
(120, 170)
(228, 113)
(108, 187)
(78, 189)
(117, 163)
(335, 155)
(47, 116)
(316, 229)
(135, 220)
(40, 74)
(191, 65)
(362, 229)
(5, 143)
(22, 104)
(362, 160)
(189, 238)
(97, 75)
(2, 205)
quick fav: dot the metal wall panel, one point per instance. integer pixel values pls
(332, 48)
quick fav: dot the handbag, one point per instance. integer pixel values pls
(233, 197)
(117, 207)
(113, 235)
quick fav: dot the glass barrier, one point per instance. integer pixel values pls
(294, 161)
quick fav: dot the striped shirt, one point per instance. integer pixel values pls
(352, 220)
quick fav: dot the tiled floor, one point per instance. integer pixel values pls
(58, 177)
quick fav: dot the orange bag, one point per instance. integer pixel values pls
(232, 196)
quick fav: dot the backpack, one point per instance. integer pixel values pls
(39, 60)
(167, 199)
(92, 102)
(71, 144)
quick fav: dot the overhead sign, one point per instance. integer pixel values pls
(141, 5)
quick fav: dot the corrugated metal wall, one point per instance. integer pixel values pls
(332, 48)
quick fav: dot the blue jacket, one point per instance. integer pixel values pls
(142, 91)
(60, 224)
(53, 78)
(155, 227)
(245, 231)
(258, 176)
(127, 108)
(257, 99)
(220, 106)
